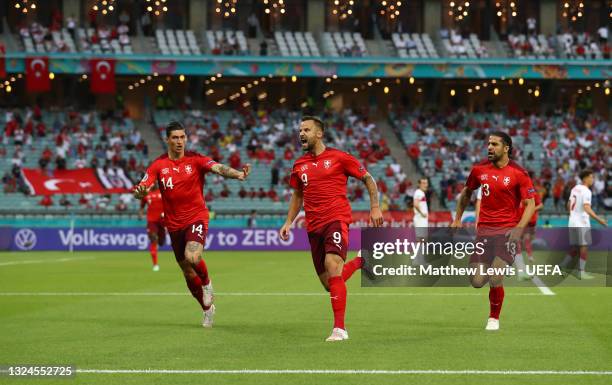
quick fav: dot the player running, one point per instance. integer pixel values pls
(580, 210)
(155, 226)
(180, 175)
(528, 234)
(421, 215)
(504, 185)
(319, 181)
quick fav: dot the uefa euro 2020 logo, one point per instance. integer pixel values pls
(25, 239)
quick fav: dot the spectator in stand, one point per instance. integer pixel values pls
(64, 201)
(252, 220)
(46, 201)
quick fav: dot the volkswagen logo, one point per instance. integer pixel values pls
(25, 239)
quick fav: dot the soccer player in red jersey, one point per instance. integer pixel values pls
(319, 181)
(504, 185)
(155, 226)
(180, 175)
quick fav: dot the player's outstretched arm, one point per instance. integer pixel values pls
(295, 204)
(141, 191)
(228, 172)
(589, 210)
(464, 200)
(376, 216)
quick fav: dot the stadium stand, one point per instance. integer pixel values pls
(177, 42)
(105, 40)
(344, 44)
(456, 46)
(414, 45)
(50, 140)
(532, 46)
(268, 140)
(40, 39)
(556, 147)
(582, 45)
(296, 44)
(227, 42)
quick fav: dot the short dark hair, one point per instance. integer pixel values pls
(422, 178)
(585, 173)
(315, 119)
(506, 139)
(173, 126)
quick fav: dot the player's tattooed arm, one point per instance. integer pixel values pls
(228, 172)
(375, 213)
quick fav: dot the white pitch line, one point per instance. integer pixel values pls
(239, 294)
(44, 261)
(364, 371)
(542, 286)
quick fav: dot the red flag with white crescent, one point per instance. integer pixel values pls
(37, 74)
(102, 76)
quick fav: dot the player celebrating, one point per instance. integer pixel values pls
(319, 181)
(181, 180)
(527, 236)
(504, 184)
(155, 227)
(579, 206)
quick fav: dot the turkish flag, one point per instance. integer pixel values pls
(2, 62)
(77, 181)
(37, 74)
(102, 72)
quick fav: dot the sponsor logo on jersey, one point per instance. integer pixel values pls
(316, 164)
(494, 177)
(188, 169)
(506, 180)
(327, 164)
(177, 169)
(165, 171)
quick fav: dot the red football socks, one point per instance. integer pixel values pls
(153, 249)
(337, 293)
(195, 287)
(202, 271)
(350, 267)
(496, 299)
(528, 248)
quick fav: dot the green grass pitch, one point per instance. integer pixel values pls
(259, 327)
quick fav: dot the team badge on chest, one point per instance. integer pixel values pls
(188, 169)
(327, 164)
(506, 180)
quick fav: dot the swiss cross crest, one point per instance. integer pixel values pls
(188, 169)
(165, 171)
(506, 180)
(327, 164)
(483, 177)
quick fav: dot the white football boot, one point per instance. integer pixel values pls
(337, 335)
(209, 314)
(492, 324)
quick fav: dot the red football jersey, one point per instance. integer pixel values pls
(534, 218)
(323, 180)
(155, 206)
(181, 183)
(503, 190)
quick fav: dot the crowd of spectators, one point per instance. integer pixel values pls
(71, 140)
(559, 146)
